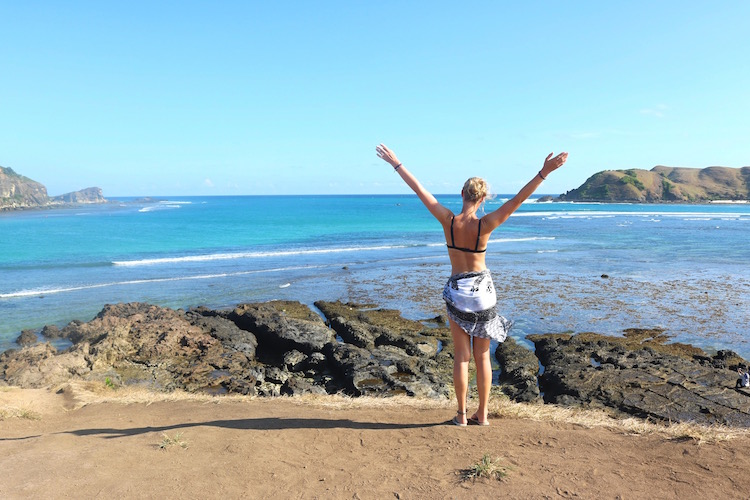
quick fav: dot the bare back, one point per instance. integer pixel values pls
(470, 243)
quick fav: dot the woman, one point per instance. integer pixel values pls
(469, 293)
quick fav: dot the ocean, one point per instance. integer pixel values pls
(558, 267)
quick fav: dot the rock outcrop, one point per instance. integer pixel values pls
(84, 196)
(664, 184)
(642, 375)
(383, 353)
(18, 192)
(519, 370)
(285, 348)
(271, 348)
(27, 337)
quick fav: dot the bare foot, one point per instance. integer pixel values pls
(474, 420)
(460, 419)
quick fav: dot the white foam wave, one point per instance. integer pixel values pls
(598, 214)
(165, 205)
(502, 201)
(285, 253)
(50, 291)
(514, 240)
(249, 255)
(504, 240)
(153, 208)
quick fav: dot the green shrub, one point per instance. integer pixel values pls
(631, 179)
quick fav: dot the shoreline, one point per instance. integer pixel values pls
(698, 310)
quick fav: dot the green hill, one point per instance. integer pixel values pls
(664, 184)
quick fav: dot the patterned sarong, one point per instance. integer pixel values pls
(471, 302)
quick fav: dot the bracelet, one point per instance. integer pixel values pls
(397, 167)
(540, 175)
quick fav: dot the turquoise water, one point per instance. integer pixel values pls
(681, 267)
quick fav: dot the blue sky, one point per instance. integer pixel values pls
(224, 98)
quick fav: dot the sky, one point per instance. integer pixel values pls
(159, 98)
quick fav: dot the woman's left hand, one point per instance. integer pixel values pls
(387, 155)
(552, 164)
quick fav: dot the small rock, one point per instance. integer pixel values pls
(51, 332)
(27, 337)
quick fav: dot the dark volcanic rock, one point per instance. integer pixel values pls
(641, 375)
(284, 348)
(39, 365)
(282, 326)
(520, 367)
(271, 349)
(27, 337)
(51, 332)
(226, 332)
(142, 343)
(354, 333)
(384, 353)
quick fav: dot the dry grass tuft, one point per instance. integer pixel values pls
(91, 392)
(168, 441)
(486, 467)
(8, 412)
(88, 392)
(343, 402)
(590, 418)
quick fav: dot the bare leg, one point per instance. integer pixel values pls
(461, 359)
(484, 375)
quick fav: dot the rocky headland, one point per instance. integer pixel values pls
(18, 192)
(664, 184)
(285, 348)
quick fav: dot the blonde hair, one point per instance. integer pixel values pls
(475, 189)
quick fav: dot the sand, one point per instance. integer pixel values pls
(66, 444)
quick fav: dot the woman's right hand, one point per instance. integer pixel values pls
(387, 155)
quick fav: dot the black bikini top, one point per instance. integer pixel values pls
(454, 247)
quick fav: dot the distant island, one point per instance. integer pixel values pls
(18, 192)
(665, 184)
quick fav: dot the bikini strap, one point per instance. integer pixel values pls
(479, 232)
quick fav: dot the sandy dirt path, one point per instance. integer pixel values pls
(282, 448)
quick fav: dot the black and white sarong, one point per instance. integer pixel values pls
(471, 302)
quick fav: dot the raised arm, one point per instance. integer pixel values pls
(494, 219)
(436, 209)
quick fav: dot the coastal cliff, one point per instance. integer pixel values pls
(665, 184)
(18, 192)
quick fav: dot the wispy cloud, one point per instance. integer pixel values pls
(590, 135)
(658, 111)
(208, 183)
(584, 135)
